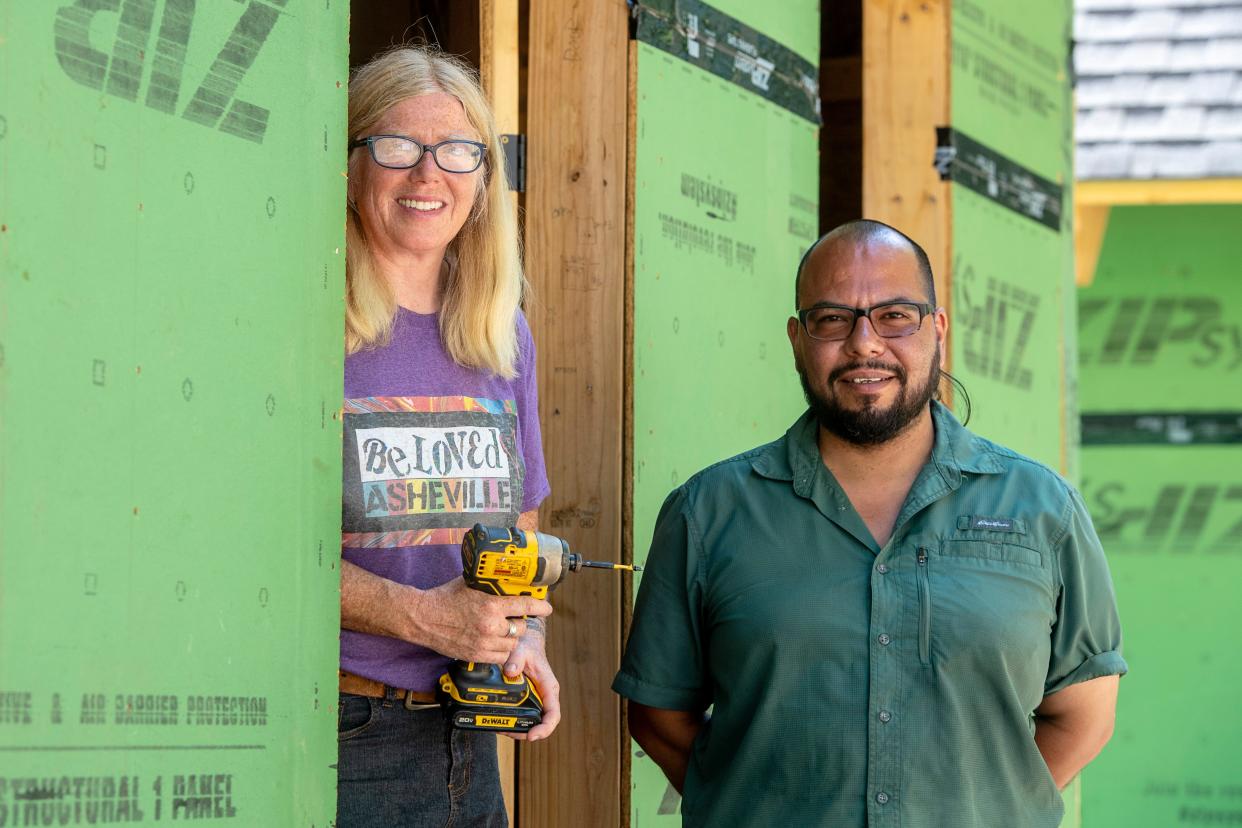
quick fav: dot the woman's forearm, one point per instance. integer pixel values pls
(375, 605)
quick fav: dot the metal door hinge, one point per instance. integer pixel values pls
(514, 147)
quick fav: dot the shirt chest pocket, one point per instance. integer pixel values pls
(984, 604)
(987, 549)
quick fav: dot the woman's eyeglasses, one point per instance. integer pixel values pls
(400, 152)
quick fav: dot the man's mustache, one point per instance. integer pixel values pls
(873, 365)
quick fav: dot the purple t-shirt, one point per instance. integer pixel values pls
(430, 449)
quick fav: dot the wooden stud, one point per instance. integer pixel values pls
(498, 70)
(498, 65)
(905, 97)
(498, 59)
(575, 231)
(1090, 224)
(905, 89)
(627, 463)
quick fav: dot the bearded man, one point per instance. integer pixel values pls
(895, 622)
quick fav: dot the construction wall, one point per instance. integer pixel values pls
(725, 203)
(171, 285)
(1011, 303)
(1161, 362)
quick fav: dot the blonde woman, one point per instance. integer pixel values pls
(441, 431)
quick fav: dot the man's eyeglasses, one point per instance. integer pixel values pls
(836, 322)
(400, 152)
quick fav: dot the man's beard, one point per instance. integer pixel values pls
(872, 425)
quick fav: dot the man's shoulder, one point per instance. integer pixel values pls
(737, 471)
(971, 452)
(1013, 464)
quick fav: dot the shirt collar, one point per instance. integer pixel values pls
(957, 449)
(777, 460)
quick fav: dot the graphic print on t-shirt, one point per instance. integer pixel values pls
(422, 470)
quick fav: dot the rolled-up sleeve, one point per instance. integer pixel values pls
(663, 663)
(1086, 637)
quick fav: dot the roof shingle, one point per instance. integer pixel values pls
(1159, 91)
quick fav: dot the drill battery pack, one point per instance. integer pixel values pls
(481, 697)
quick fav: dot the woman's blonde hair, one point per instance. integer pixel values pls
(485, 282)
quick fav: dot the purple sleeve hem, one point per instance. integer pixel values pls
(533, 499)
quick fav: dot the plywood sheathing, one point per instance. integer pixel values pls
(575, 232)
(498, 70)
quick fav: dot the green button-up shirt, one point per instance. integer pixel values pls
(857, 685)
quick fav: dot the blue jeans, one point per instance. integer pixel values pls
(401, 768)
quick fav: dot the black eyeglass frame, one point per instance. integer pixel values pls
(423, 149)
(925, 310)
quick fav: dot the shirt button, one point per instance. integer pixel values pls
(882, 569)
(885, 716)
(881, 797)
(884, 639)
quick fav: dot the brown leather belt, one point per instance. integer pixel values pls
(361, 686)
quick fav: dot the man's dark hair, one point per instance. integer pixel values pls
(865, 230)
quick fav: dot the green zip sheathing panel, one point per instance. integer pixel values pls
(171, 285)
(1161, 357)
(726, 185)
(1011, 313)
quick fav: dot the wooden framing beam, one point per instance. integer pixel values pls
(627, 436)
(1160, 191)
(499, 51)
(498, 59)
(498, 70)
(905, 92)
(575, 232)
(1090, 224)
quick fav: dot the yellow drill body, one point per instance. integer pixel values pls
(514, 562)
(506, 562)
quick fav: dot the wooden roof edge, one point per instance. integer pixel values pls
(1158, 191)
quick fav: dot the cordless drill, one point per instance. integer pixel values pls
(506, 562)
